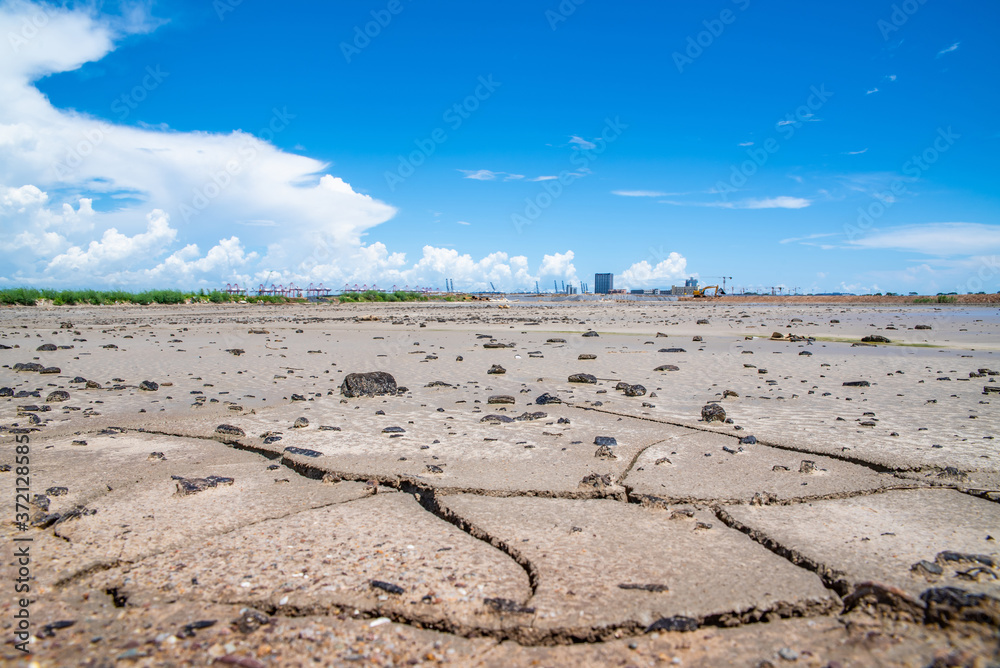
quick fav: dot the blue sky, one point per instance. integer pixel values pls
(847, 148)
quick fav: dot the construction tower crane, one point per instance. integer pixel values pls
(724, 279)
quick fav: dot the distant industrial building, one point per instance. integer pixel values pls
(604, 283)
(646, 291)
(690, 285)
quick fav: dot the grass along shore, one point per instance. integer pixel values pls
(35, 296)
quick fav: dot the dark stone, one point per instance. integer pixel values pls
(962, 557)
(431, 468)
(496, 369)
(387, 587)
(189, 629)
(548, 399)
(250, 620)
(28, 366)
(271, 439)
(229, 430)
(583, 378)
(713, 413)
(677, 623)
(57, 395)
(946, 605)
(149, 386)
(187, 486)
(156, 456)
(921, 327)
(50, 370)
(368, 384)
(110, 346)
(748, 440)
(438, 383)
(6, 392)
(304, 452)
(555, 341)
(927, 568)
(497, 345)
(857, 383)
(506, 605)
(393, 430)
(497, 419)
(500, 399)
(235, 351)
(324, 427)
(93, 385)
(672, 350)
(587, 356)
(298, 397)
(57, 491)
(79, 379)
(656, 588)
(806, 353)
(635, 391)
(702, 321)
(667, 367)
(604, 452)
(875, 338)
(591, 333)
(597, 481)
(46, 348)
(605, 440)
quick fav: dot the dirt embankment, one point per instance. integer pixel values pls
(851, 299)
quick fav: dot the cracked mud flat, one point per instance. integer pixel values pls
(467, 521)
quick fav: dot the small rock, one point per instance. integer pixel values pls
(300, 423)
(635, 391)
(368, 384)
(187, 486)
(713, 413)
(57, 396)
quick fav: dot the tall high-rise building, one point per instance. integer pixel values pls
(604, 283)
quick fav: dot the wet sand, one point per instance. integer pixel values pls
(466, 520)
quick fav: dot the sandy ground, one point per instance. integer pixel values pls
(466, 521)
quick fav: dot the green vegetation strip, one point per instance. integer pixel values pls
(31, 296)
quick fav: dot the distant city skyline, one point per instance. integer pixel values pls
(191, 144)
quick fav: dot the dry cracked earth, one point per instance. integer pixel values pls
(726, 484)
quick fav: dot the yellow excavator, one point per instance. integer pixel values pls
(701, 292)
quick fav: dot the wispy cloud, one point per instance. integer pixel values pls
(488, 175)
(949, 49)
(782, 202)
(745, 143)
(641, 193)
(871, 90)
(462, 222)
(808, 237)
(544, 178)
(864, 150)
(811, 118)
(890, 77)
(580, 142)
(933, 239)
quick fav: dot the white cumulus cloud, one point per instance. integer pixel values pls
(644, 275)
